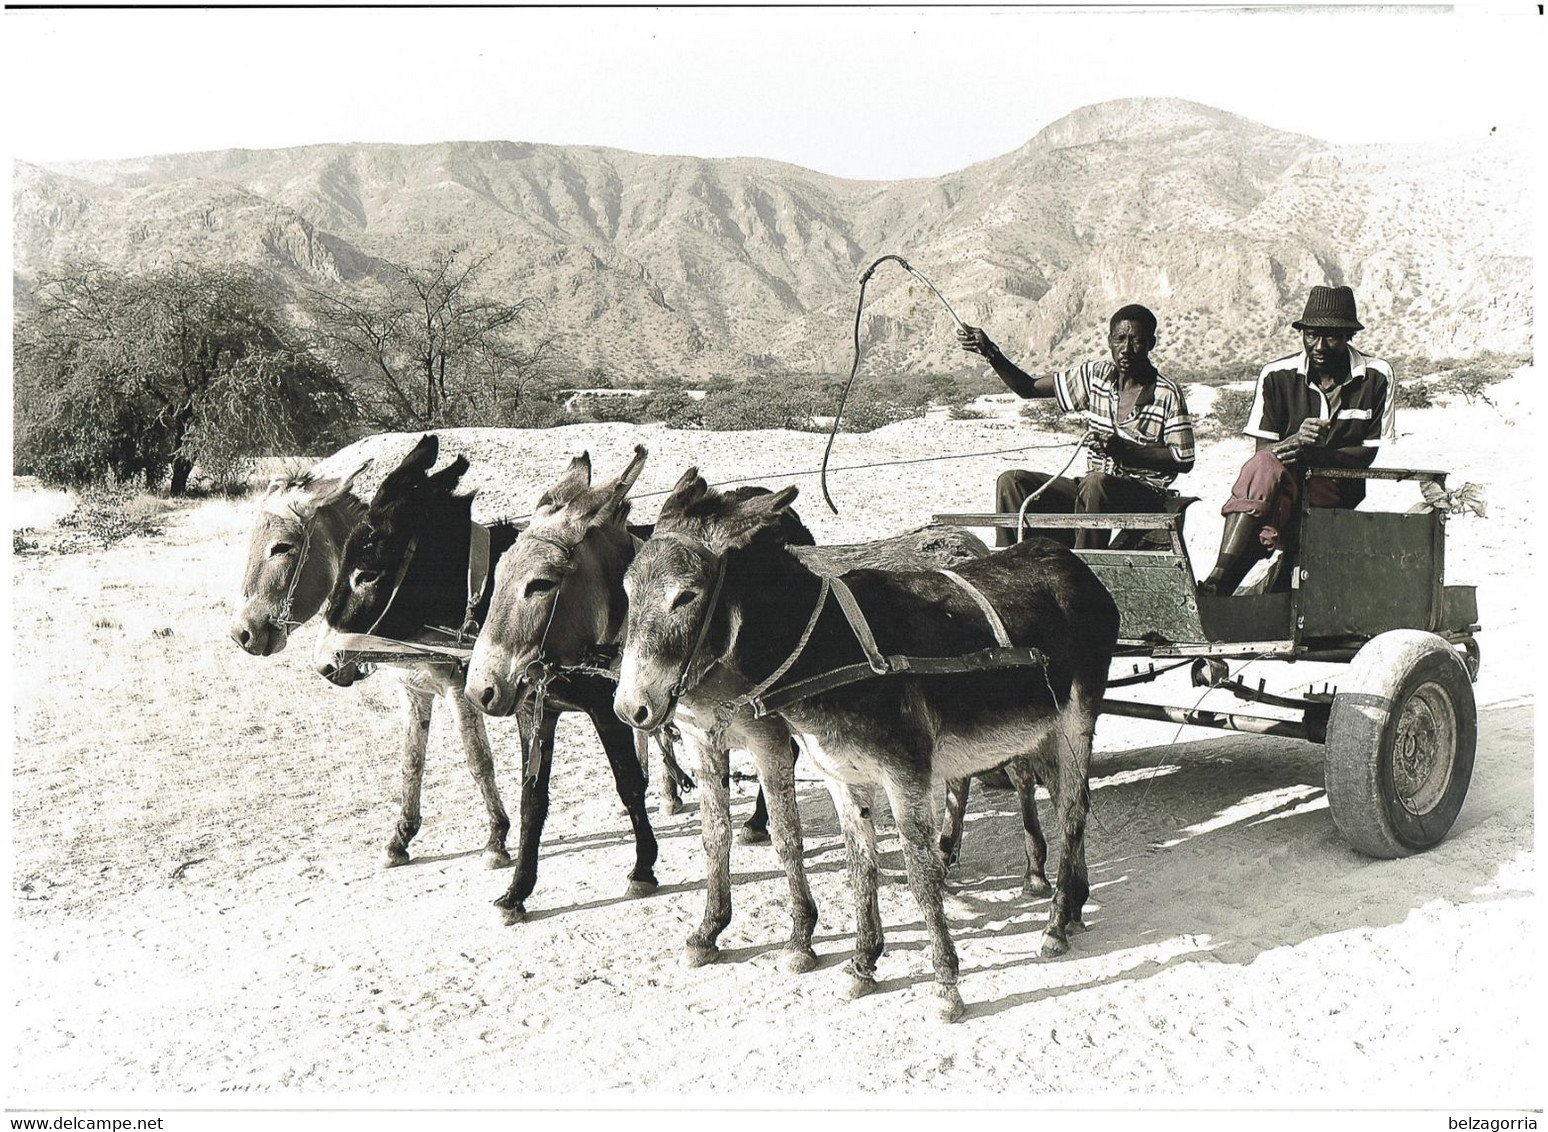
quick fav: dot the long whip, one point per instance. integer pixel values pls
(854, 366)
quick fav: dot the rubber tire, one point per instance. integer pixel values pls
(1362, 732)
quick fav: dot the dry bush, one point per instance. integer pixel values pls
(106, 513)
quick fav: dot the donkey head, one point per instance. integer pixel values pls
(558, 592)
(292, 556)
(672, 634)
(405, 565)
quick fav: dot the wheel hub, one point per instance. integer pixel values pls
(1424, 749)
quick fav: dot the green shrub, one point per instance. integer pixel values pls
(761, 405)
(1414, 394)
(1044, 412)
(1228, 414)
(868, 415)
(674, 408)
(625, 409)
(108, 512)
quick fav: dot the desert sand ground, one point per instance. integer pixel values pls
(198, 911)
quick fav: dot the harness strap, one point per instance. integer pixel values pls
(1016, 656)
(862, 630)
(995, 624)
(795, 653)
(282, 618)
(675, 692)
(478, 574)
(397, 584)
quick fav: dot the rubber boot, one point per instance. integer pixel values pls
(1239, 549)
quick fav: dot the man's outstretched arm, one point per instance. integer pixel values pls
(1017, 380)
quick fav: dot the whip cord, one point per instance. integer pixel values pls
(854, 366)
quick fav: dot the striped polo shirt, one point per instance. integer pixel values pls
(1091, 389)
(1360, 409)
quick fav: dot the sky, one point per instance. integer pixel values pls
(856, 92)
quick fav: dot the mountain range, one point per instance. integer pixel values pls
(650, 266)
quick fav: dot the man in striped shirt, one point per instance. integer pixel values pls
(1139, 438)
(1328, 406)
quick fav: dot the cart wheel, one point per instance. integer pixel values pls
(1400, 741)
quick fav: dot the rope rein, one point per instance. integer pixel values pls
(281, 619)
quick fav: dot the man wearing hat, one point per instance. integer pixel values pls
(1326, 407)
(1139, 436)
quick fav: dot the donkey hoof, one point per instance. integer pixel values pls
(750, 835)
(496, 859)
(700, 954)
(1036, 886)
(859, 986)
(797, 959)
(394, 856)
(637, 887)
(1053, 945)
(948, 1004)
(1076, 926)
(511, 914)
(671, 806)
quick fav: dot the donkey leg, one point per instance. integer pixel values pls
(415, 707)
(618, 741)
(776, 771)
(715, 824)
(755, 830)
(1024, 779)
(475, 745)
(853, 804)
(910, 800)
(534, 812)
(1072, 802)
(957, 790)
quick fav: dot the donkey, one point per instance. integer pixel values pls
(404, 570)
(717, 602)
(558, 599)
(293, 559)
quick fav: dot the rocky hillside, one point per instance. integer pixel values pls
(655, 265)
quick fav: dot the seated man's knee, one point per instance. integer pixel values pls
(1008, 482)
(1093, 491)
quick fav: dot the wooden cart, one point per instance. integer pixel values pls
(1363, 587)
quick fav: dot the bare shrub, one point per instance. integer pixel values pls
(107, 513)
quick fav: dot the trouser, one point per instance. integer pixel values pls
(1269, 491)
(1093, 493)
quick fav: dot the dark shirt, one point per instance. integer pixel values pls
(1360, 409)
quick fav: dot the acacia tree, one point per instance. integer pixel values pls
(428, 348)
(133, 373)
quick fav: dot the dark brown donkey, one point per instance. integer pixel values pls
(293, 557)
(559, 600)
(718, 605)
(404, 571)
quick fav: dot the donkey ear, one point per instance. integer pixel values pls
(446, 479)
(410, 470)
(421, 457)
(689, 489)
(327, 491)
(744, 522)
(615, 504)
(576, 479)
